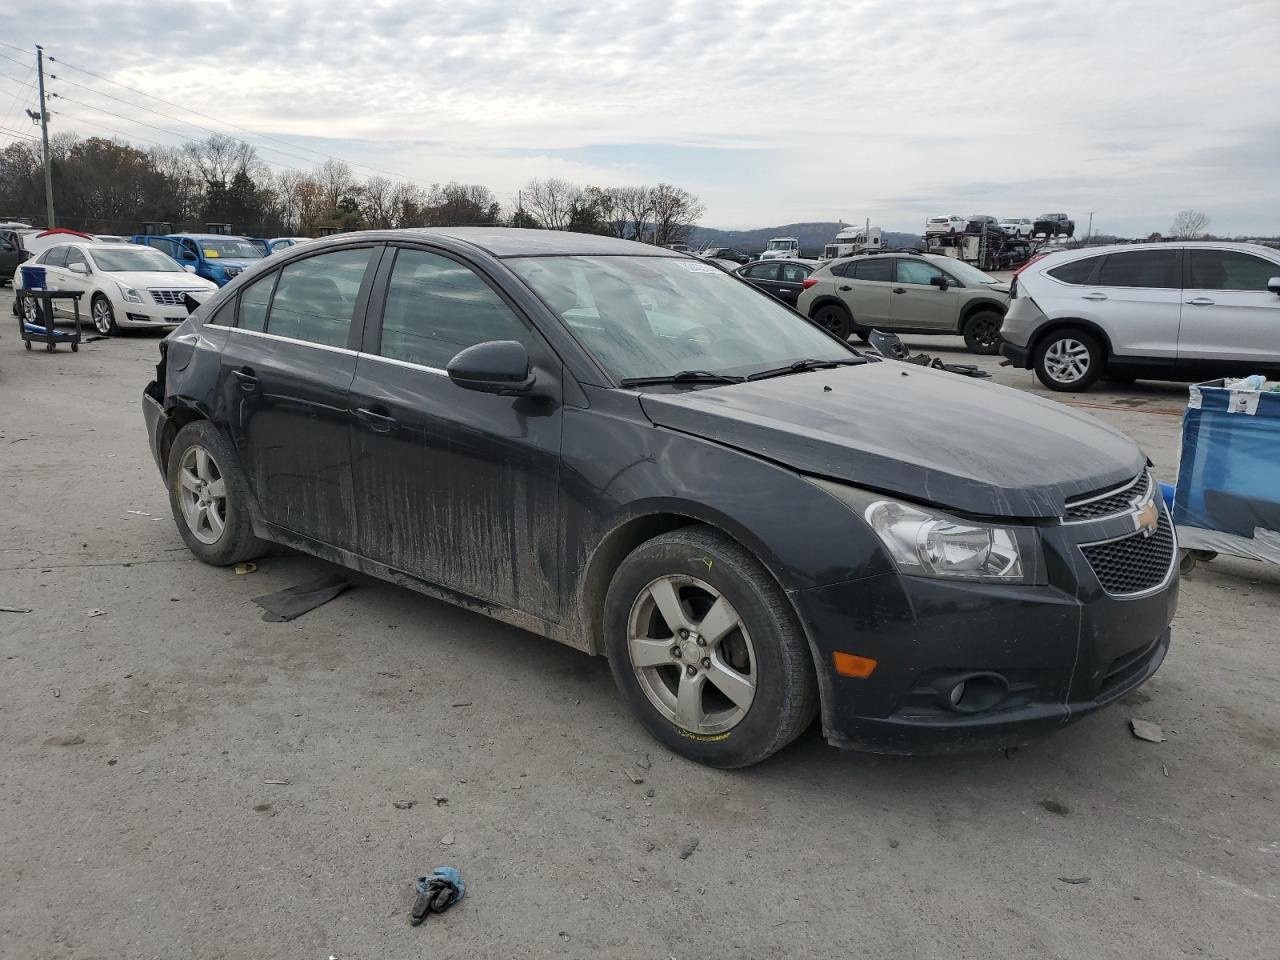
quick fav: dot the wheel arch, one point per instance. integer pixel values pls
(175, 419)
(827, 300)
(1066, 323)
(978, 306)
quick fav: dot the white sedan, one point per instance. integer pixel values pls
(124, 284)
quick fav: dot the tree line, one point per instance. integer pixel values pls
(107, 186)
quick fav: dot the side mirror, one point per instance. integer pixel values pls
(1274, 285)
(939, 282)
(188, 255)
(80, 268)
(498, 366)
(189, 268)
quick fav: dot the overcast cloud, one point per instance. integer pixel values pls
(771, 112)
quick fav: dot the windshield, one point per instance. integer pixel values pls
(658, 316)
(137, 260)
(968, 273)
(781, 244)
(231, 247)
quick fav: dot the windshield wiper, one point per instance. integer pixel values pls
(684, 376)
(800, 366)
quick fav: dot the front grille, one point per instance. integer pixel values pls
(172, 298)
(1109, 503)
(1135, 563)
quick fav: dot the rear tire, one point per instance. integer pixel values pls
(1069, 360)
(210, 497)
(834, 318)
(982, 332)
(755, 649)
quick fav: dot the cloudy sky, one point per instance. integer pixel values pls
(772, 111)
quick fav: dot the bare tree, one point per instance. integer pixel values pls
(606, 203)
(551, 201)
(336, 181)
(635, 205)
(675, 210)
(376, 203)
(407, 203)
(1189, 225)
(219, 158)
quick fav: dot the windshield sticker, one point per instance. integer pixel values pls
(694, 267)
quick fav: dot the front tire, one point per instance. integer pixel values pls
(834, 318)
(209, 497)
(982, 332)
(706, 650)
(1069, 360)
(104, 317)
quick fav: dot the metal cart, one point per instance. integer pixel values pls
(35, 318)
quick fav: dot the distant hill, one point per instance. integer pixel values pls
(812, 236)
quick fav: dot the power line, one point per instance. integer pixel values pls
(21, 63)
(16, 133)
(225, 123)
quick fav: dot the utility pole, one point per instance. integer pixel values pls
(1089, 232)
(44, 138)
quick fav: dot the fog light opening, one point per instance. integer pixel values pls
(974, 692)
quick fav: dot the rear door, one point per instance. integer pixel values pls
(764, 275)
(791, 278)
(917, 302)
(865, 284)
(453, 486)
(1136, 297)
(285, 373)
(1227, 311)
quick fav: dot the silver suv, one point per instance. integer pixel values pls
(1163, 311)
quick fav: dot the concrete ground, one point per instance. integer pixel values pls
(181, 779)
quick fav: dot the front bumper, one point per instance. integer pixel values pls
(1064, 652)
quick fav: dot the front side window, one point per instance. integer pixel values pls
(917, 271)
(74, 255)
(316, 297)
(1077, 272)
(762, 271)
(1140, 268)
(1229, 270)
(437, 307)
(878, 270)
(658, 316)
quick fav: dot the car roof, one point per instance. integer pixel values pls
(1059, 257)
(520, 242)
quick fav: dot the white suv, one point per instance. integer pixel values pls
(1164, 311)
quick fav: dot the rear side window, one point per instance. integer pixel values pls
(57, 257)
(1228, 270)
(225, 315)
(437, 307)
(1077, 271)
(794, 272)
(254, 300)
(880, 269)
(1141, 268)
(316, 297)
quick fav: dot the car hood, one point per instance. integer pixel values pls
(242, 264)
(178, 280)
(1001, 288)
(926, 435)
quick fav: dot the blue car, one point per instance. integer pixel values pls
(210, 255)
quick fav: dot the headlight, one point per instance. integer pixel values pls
(929, 543)
(130, 294)
(231, 272)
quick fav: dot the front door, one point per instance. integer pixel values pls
(453, 486)
(285, 371)
(1228, 314)
(1138, 295)
(918, 302)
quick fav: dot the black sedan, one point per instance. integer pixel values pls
(782, 278)
(627, 450)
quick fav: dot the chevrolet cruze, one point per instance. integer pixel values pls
(632, 452)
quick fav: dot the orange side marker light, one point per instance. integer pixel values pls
(850, 665)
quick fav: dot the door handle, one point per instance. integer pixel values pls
(1199, 302)
(899, 290)
(248, 379)
(1094, 296)
(377, 422)
(845, 289)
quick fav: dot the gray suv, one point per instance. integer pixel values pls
(1162, 311)
(907, 293)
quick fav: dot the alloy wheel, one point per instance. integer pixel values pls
(1067, 360)
(692, 654)
(202, 494)
(102, 318)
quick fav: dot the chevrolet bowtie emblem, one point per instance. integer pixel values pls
(1146, 519)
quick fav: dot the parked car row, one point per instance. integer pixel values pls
(1047, 225)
